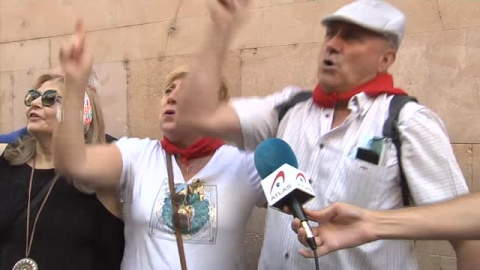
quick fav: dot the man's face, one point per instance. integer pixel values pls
(351, 56)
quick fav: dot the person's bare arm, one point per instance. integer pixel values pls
(97, 165)
(199, 108)
(467, 253)
(345, 226)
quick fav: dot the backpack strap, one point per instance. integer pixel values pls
(390, 130)
(283, 108)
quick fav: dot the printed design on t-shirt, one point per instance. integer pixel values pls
(197, 211)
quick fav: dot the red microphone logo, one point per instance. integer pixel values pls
(280, 175)
(301, 177)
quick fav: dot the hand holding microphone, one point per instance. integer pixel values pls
(282, 182)
(342, 226)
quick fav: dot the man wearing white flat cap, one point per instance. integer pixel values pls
(337, 134)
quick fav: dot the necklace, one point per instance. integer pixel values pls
(188, 167)
(28, 263)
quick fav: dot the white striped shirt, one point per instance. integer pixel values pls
(327, 156)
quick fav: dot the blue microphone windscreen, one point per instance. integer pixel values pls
(271, 154)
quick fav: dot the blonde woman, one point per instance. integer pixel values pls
(47, 221)
(216, 186)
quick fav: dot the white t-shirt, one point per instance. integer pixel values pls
(221, 209)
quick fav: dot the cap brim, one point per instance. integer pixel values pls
(340, 18)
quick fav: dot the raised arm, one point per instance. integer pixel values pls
(97, 165)
(345, 226)
(198, 104)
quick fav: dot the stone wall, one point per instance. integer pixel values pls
(136, 43)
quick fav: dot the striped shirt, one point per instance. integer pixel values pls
(328, 157)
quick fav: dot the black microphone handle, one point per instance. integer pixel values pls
(297, 209)
(298, 212)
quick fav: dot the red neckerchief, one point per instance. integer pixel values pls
(201, 148)
(382, 84)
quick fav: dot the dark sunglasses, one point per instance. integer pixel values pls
(49, 97)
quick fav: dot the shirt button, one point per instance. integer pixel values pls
(322, 145)
(327, 115)
(287, 255)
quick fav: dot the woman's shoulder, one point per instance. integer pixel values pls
(232, 150)
(233, 155)
(135, 150)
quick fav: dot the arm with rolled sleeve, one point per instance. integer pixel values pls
(258, 116)
(432, 172)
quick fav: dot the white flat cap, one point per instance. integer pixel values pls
(375, 15)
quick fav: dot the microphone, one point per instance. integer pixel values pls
(282, 182)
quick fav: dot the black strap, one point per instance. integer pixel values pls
(283, 108)
(176, 219)
(390, 130)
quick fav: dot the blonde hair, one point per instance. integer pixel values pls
(182, 71)
(24, 149)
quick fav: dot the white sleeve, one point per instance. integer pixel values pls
(130, 149)
(258, 117)
(254, 180)
(428, 160)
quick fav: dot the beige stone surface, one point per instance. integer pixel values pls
(267, 70)
(476, 168)
(145, 11)
(136, 43)
(256, 223)
(448, 263)
(127, 43)
(281, 25)
(464, 155)
(459, 14)
(23, 55)
(435, 247)
(7, 3)
(185, 34)
(6, 102)
(192, 8)
(253, 245)
(34, 19)
(437, 68)
(422, 16)
(269, 3)
(428, 262)
(146, 84)
(148, 11)
(113, 97)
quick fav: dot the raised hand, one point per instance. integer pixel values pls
(341, 226)
(76, 60)
(227, 14)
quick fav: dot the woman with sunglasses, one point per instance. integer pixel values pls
(48, 221)
(205, 206)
